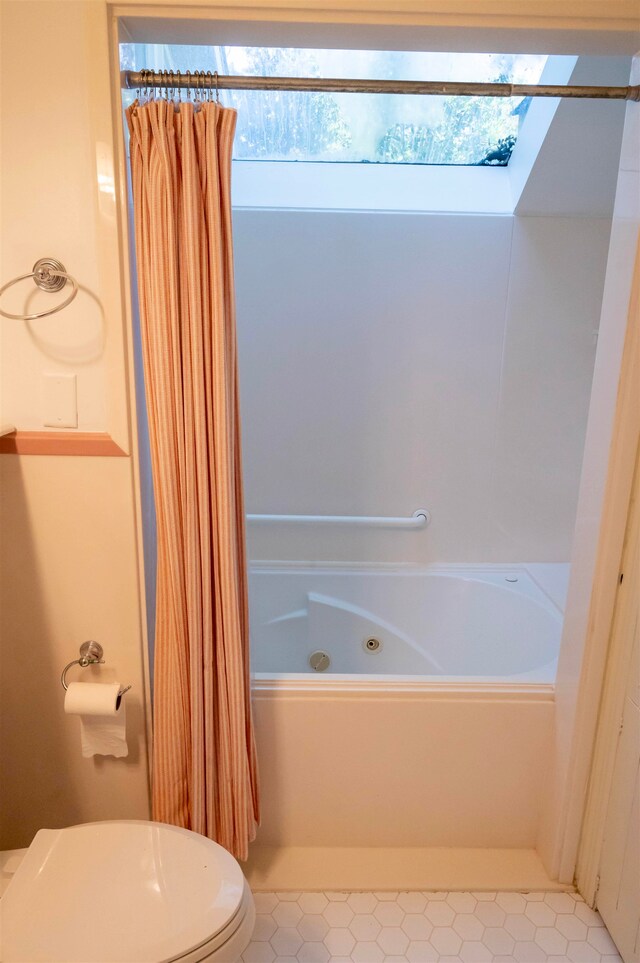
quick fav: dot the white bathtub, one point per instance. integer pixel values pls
(453, 715)
(438, 623)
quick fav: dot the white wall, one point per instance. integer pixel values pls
(68, 540)
(68, 572)
(57, 217)
(58, 199)
(591, 596)
(395, 361)
(574, 170)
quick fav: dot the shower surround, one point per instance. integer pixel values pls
(405, 354)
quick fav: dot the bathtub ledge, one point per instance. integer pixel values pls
(366, 687)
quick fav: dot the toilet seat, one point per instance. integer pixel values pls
(125, 892)
(226, 946)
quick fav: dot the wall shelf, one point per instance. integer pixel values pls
(94, 443)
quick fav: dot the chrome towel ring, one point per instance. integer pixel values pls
(49, 274)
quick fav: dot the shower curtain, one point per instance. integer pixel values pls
(204, 764)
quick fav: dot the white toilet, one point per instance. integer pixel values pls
(125, 892)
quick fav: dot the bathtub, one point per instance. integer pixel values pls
(434, 623)
(452, 713)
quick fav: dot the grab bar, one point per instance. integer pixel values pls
(419, 519)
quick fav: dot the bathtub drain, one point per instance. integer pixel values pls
(319, 660)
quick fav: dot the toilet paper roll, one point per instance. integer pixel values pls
(102, 722)
(92, 698)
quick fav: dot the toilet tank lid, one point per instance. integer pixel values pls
(113, 892)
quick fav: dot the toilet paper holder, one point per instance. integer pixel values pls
(90, 654)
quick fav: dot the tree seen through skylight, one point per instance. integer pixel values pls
(360, 128)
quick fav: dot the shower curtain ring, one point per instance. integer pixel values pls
(215, 77)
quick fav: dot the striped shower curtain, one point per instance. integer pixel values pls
(204, 764)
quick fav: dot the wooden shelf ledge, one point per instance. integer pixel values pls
(87, 443)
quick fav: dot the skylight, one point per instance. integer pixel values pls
(361, 128)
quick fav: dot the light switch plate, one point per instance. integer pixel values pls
(60, 401)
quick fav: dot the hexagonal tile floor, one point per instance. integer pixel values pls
(427, 927)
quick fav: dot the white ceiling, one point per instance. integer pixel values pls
(204, 28)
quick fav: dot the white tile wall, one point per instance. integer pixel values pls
(427, 927)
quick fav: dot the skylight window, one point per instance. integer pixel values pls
(361, 128)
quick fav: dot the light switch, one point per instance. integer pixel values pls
(60, 401)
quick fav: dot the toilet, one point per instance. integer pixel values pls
(125, 892)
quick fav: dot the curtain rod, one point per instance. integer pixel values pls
(199, 80)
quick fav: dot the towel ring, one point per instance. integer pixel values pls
(49, 274)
